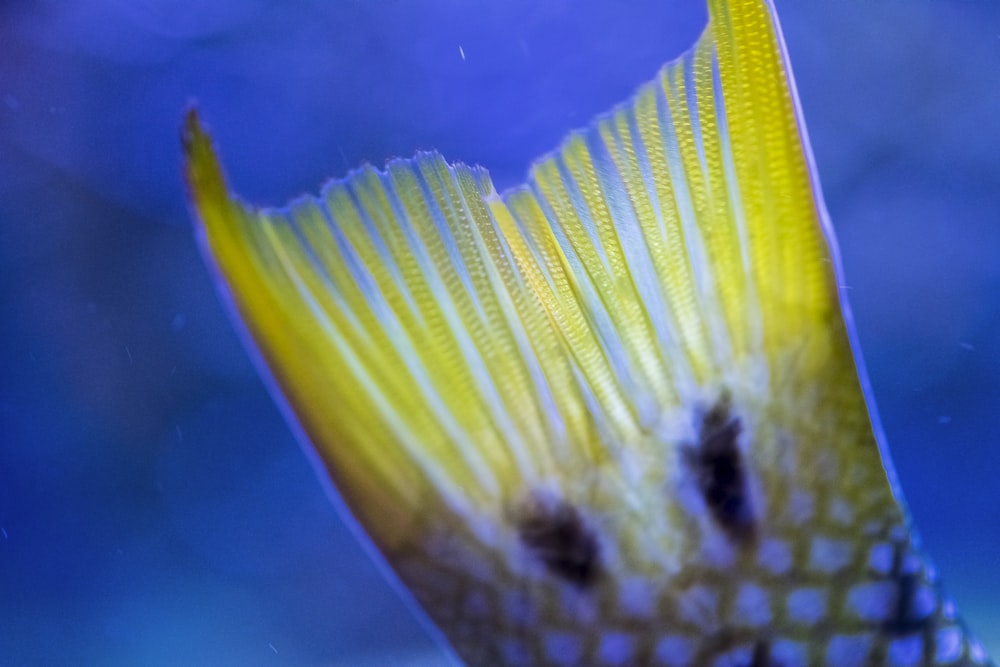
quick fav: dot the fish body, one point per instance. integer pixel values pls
(612, 416)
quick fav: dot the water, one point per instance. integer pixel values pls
(154, 508)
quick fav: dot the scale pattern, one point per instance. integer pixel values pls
(609, 417)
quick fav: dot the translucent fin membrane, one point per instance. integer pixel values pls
(610, 416)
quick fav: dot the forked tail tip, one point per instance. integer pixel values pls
(202, 171)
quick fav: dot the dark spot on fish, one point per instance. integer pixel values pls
(561, 539)
(762, 655)
(906, 618)
(720, 471)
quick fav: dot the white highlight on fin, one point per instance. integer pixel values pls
(907, 652)
(699, 605)
(775, 555)
(637, 597)
(675, 651)
(880, 558)
(807, 605)
(789, 654)
(849, 650)
(947, 645)
(830, 555)
(872, 601)
(563, 648)
(616, 648)
(753, 606)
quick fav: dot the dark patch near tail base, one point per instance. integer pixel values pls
(906, 618)
(720, 471)
(762, 655)
(561, 539)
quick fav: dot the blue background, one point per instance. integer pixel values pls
(155, 509)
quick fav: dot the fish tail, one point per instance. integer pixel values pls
(611, 415)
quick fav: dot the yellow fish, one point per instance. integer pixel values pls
(611, 416)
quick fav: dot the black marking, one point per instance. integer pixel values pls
(561, 539)
(905, 618)
(720, 470)
(762, 655)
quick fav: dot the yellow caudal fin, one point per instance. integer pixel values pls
(610, 416)
(394, 320)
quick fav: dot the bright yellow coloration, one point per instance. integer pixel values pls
(611, 416)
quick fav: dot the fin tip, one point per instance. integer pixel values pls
(202, 169)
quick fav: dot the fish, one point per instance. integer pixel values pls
(615, 415)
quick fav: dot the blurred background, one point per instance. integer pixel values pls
(154, 508)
